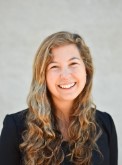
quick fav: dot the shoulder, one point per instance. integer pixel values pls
(108, 142)
(10, 137)
(105, 121)
(15, 122)
(18, 116)
(103, 117)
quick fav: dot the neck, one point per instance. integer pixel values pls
(63, 111)
(63, 122)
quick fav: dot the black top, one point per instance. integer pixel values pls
(14, 125)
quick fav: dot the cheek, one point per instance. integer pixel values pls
(82, 79)
(81, 76)
(51, 80)
(79, 72)
(51, 77)
(48, 81)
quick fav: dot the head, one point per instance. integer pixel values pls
(44, 56)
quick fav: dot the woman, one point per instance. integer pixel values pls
(61, 124)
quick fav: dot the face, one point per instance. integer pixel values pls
(66, 74)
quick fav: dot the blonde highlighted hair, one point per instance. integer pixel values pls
(41, 139)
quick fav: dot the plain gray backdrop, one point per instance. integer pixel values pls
(25, 23)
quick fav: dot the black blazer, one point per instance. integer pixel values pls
(14, 125)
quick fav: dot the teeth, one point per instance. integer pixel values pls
(67, 86)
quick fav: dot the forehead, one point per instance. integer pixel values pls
(66, 52)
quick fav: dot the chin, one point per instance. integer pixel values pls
(70, 98)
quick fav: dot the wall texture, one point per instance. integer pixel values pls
(25, 23)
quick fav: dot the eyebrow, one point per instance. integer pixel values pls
(73, 58)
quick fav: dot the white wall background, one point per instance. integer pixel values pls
(25, 23)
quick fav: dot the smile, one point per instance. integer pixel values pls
(67, 86)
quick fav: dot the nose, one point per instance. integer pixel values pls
(65, 73)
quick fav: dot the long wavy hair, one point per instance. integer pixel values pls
(42, 140)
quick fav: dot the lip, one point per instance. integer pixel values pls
(66, 86)
(66, 83)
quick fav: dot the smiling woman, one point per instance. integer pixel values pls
(61, 124)
(67, 74)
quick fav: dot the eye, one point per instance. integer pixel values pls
(55, 66)
(74, 63)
